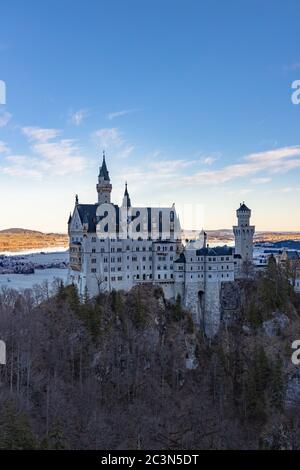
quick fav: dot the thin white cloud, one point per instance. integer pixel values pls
(40, 134)
(112, 140)
(272, 161)
(121, 113)
(261, 180)
(3, 147)
(167, 167)
(209, 160)
(51, 156)
(78, 116)
(292, 67)
(5, 117)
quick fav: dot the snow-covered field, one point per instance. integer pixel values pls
(25, 281)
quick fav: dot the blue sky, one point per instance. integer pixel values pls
(190, 99)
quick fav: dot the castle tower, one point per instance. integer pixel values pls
(243, 233)
(103, 187)
(126, 199)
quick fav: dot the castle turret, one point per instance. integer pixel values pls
(126, 199)
(103, 187)
(69, 223)
(243, 233)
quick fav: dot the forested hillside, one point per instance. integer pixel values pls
(129, 371)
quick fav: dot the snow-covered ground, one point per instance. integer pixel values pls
(41, 258)
(25, 281)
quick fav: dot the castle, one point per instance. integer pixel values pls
(118, 247)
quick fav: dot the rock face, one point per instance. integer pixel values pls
(274, 326)
(204, 305)
(230, 300)
(292, 390)
(212, 317)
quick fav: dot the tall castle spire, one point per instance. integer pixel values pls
(103, 186)
(126, 199)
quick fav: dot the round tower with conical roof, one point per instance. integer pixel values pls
(243, 233)
(103, 186)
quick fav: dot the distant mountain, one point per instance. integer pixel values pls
(18, 239)
(291, 244)
(13, 231)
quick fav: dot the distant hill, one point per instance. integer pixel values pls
(12, 231)
(19, 239)
(291, 244)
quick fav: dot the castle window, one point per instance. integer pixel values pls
(119, 278)
(93, 270)
(113, 278)
(94, 239)
(93, 250)
(105, 260)
(119, 259)
(94, 260)
(158, 276)
(112, 260)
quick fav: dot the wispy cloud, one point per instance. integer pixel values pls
(209, 159)
(169, 167)
(78, 117)
(48, 155)
(40, 134)
(121, 113)
(291, 67)
(112, 140)
(261, 180)
(5, 117)
(272, 161)
(3, 147)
